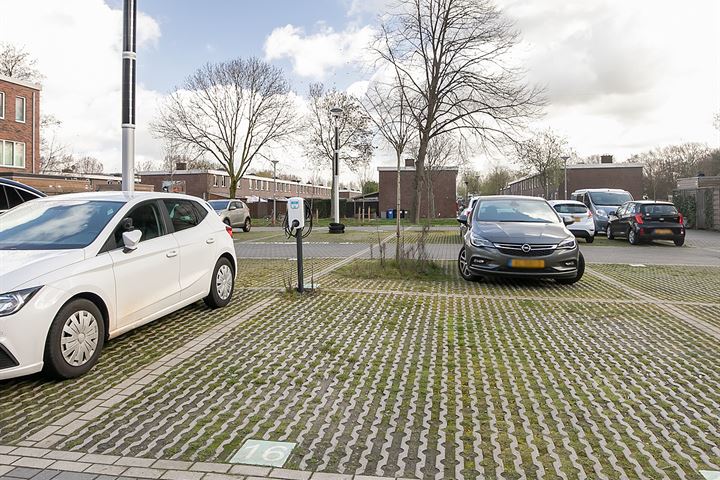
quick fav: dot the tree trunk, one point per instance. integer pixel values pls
(397, 208)
(419, 169)
(233, 185)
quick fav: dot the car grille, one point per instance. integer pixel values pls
(6, 359)
(536, 250)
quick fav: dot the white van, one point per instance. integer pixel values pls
(601, 202)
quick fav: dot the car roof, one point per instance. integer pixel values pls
(653, 202)
(124, 197)
(568, 202)
(13, 183)
(591, 190)
(510, 197)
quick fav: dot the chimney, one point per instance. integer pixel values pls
(606, 158)
(181, 166)
(409, 162)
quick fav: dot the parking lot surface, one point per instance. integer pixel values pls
(615, 377)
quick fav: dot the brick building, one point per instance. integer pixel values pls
(444, 190)
(625, 176)
(19, 126)
(258, 191)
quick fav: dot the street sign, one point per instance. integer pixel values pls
(261, 452)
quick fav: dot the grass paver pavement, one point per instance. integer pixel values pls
(449, 387)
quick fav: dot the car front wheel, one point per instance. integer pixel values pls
(590, 239)
(221, 285)
(633, 237)
(464, 267)
(75, 339)
(247, 225)
(578, 276)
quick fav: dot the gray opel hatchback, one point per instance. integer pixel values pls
(517, 236)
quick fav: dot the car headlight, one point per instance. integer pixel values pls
(567, 244)
(601, 213)
(479, 241)
(12, 302)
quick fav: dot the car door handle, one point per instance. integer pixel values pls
(210, 240)
(171, 253)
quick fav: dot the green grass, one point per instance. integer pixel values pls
(393, 270)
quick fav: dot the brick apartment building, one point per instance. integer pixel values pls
(19, 126)
(258, 191)
(444, 190)
(625, 176)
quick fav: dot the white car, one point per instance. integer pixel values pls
(77, 270)
(583, 225)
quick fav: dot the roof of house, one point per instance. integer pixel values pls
(23, 83)
(585, 166)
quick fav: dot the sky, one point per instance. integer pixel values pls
(620, 77)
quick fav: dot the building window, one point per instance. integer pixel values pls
(214, 180)
(20, 109)
(2, 105)
(12, 154)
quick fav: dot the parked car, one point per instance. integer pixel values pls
(464, 213)
(518, 236)
(583, 225)
(233, 212)
(80, 269)
(647, 220)
(14, 193)
(601, 202)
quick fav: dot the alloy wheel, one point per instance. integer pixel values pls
(223, 282)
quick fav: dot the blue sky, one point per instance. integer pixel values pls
(195, 32)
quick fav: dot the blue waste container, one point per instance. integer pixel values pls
(391, 213)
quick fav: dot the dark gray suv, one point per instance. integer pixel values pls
(519, 236)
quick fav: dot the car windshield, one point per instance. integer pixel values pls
(515, 210)
(610, 198)
(55, 224)
(659, 209)
(570, 208)
(218, 205)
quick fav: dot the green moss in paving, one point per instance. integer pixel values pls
(668, 282)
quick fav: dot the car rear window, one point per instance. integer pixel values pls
(570, 208)
(662, 209)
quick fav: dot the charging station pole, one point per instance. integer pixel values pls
(301, 279)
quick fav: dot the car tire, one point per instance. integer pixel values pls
(222, 284)
(247, 225)
(580, 272)
(78, 321)
(609, 233)
(590, 239)
(633, 237)
(463, 268)
(679, 242)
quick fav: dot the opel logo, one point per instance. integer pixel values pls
(526, 248)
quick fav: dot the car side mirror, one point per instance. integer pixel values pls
(232, 207)
(462, 219)
(131, 240)
(568, 221)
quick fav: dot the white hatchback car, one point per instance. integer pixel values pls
(77, 270)
(583, 225)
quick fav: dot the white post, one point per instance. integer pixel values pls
(128, 95)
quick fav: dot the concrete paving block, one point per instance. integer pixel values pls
(210, 467)
(30, 452)
(250, 470)
(141, 472)
(44, 433)
(182, 475)
(330, 476)
(32, 462)
(106, 469)
(70, 466)
(172, 465)
(98, 458)
(290, 474)
(134, 462)
(49, 441)
(63, 455)
(22, 472)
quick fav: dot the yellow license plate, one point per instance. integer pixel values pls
(523, 263)
(663, 231)
(577, 219)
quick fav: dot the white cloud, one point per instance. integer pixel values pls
(312, 55)
(78, 47)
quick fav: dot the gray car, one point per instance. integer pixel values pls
(233, 212)
(517, 236)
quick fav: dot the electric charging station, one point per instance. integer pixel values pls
(294, 225)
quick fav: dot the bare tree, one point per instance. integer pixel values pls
(355, 136)
(387, 107)
(17, 63)
(542, 154)
(87, 165)
(53, 152)
(443, 151)
(453, 57)
(230, 112)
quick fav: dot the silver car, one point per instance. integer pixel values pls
(517, 236)
(233, 212)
